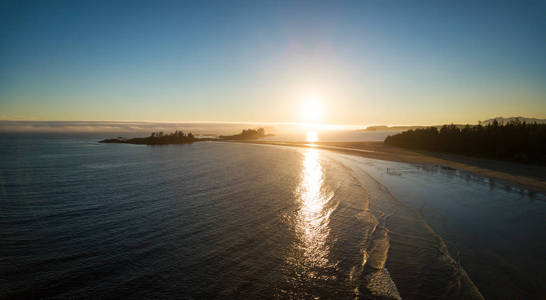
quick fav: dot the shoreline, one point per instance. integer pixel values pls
(531, 177)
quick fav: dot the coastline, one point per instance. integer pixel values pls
(531, 177)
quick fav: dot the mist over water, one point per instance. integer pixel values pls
(90, 220)
(280, 131)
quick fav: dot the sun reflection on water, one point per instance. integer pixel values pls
(312, 136)
(314, 215)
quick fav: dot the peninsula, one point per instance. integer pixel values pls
(179, 137)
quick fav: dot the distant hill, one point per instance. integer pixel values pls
(402, 128)
(391, 128)
(502, 120)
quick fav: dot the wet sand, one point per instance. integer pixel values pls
(532, 177)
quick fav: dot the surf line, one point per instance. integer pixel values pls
(374, 271)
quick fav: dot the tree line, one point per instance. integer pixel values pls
(246, 134)
(159, 138)
(515, 140)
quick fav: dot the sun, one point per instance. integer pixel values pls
(312, 110)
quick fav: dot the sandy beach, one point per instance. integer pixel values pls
(532, 177)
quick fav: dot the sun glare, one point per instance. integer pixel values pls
(312, 110)
(312, 136)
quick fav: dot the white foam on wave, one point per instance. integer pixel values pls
(378, 249)
(380, 284)
(375, 277)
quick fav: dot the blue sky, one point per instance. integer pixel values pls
(368, 62)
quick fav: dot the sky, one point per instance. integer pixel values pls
(365, 62)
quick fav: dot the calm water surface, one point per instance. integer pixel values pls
(223, 220)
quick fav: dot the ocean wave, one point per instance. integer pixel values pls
(419, 263)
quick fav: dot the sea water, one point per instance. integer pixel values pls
(226, 220)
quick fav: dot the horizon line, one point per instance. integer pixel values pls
(270, 123)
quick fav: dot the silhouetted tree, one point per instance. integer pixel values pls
(246, 134)
(514, 140)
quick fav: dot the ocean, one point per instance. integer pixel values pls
(80, 219)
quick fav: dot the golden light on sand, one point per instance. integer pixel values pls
(312, 136)
(312, 110)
